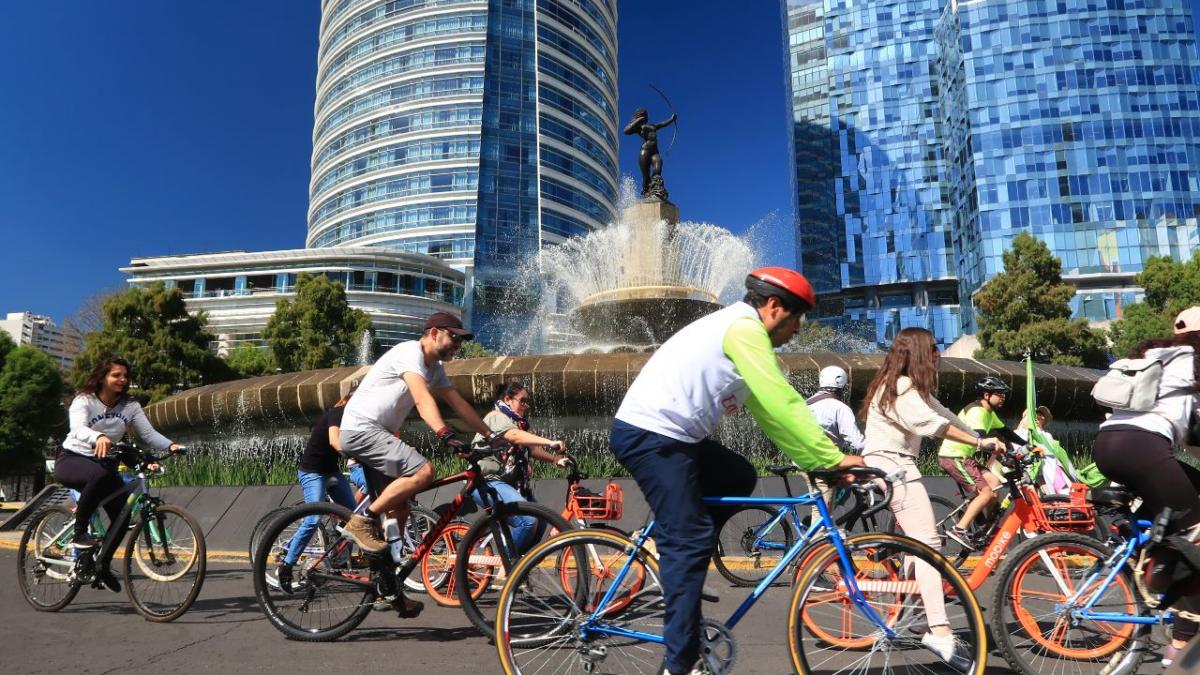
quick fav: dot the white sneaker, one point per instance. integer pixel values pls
(942, 645)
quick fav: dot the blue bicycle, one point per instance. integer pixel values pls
(591, 601)
(1067, 603)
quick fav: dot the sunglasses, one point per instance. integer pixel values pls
(457, 339)
(523, 401)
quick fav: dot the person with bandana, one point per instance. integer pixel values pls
(510, 474)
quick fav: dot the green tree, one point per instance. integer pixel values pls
(31, 406)
(1025, 308)
(167, 347)
(1170, 286)
(316, 329)
(474, 350)
(246, 360)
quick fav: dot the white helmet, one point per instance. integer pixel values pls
(832, 377)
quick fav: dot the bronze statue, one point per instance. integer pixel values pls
(649, 159)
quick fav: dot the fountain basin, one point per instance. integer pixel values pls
(641, 314)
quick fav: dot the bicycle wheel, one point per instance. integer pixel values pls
(749, 545)
(829, 631)
(165, 561)
(437, 567)
(542, 624)
(1038, 633)
(945, 516)
(260, 528)
(332, 586)
(493, 530)
(45, 564)
(420, 521)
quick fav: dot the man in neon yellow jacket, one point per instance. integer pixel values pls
(714, 366)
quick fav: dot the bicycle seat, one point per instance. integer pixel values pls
(782, 470)
(1111, 496)
(859, 472)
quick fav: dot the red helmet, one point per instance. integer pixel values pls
(789, 285)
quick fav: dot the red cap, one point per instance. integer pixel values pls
(447, 321)
(790, 281)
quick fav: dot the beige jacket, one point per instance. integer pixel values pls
(894, 438)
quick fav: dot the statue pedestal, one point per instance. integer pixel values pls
(646, 260)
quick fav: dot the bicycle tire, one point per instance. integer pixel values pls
(1015, 623)
(328, 552)
(737, 558)
(945, 515)
(820, 593)
(493, 525)
(260, 529)
(44, 587)
(157, 546)
(437, 567)
(420, 521)
(537, 613)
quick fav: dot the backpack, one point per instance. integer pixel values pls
(1131, 384)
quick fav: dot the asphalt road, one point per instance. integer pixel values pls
(225, 632)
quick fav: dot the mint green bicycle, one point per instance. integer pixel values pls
(164, 562)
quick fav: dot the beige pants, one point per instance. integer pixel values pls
(914, 515)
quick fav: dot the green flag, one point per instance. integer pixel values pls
(1035, 433)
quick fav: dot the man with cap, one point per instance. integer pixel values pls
(714, 366)
(409, 375)
(836, 418)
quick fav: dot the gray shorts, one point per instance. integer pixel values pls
(382, 452)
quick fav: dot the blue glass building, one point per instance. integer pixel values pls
(950, 126)
(873, 225)
(474, 131)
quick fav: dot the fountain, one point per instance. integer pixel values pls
(625, 288)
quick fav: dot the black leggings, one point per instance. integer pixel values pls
(95, 481)
(1145, 462)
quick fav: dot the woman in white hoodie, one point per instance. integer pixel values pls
(101, 414)
(1137, 449)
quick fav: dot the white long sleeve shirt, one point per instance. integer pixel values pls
(1171, 412)
(837, 419)
(91, 419)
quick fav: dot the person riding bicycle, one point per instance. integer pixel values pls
(836, 418)
(101, 413)
(320, 476)
(901, 410)
(713, 366)
(1137, 449)
(958, 459)
(510, 473)
(409, 375)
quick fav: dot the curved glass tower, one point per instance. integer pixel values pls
(474, 131)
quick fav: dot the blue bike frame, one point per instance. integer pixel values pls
(595, 623)
(1114, 565)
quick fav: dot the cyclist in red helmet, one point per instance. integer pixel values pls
(715, 365)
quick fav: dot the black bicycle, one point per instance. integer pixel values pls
(164, 563)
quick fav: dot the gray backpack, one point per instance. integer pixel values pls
(1132, 384)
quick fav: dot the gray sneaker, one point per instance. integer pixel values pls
(365, 533)
(961, 536)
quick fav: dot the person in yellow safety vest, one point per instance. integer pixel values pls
(958, 459)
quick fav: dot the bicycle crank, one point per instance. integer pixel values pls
(718, 649)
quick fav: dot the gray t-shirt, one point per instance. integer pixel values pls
(383, 399)
(499, 423)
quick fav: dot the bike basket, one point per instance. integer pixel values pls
(607, 506)
(1075, 515)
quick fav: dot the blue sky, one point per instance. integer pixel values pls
(143, 127)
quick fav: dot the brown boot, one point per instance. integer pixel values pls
(365, 533)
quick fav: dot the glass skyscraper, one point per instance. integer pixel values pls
(949, 127)
(475, 131)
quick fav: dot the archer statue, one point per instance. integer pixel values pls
(649, 159)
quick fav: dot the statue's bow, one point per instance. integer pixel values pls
(674, 127)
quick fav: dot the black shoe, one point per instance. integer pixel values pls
(407, 609)
(106, 577)
(83, 540)
(284, 576)
(709, 594)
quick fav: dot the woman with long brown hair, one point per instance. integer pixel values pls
(100, 415)
(1137, 449)
(901, 410)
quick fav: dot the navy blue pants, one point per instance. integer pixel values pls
(674, 477)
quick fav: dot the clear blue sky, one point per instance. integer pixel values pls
(144, 127)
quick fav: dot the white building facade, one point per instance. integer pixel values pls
(39, 331)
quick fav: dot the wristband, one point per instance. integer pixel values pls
(978, 442)
(444, 432)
